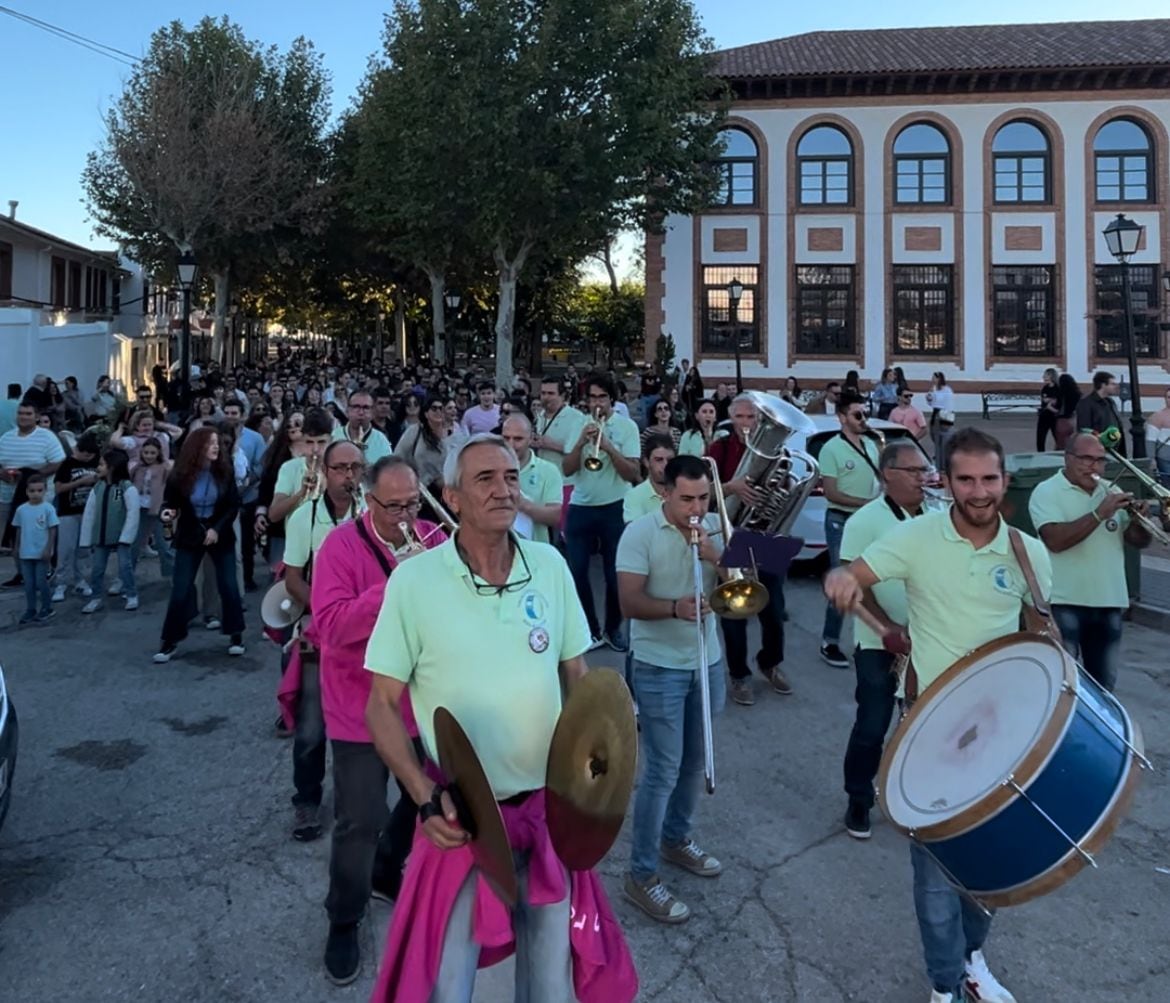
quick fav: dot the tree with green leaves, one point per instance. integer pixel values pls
(215, 146)
(526, 129)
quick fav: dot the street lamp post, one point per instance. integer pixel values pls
(186, 269)
(452, 299)
(734, 295)
(1123, 236)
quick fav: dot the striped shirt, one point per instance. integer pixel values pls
(38, 447)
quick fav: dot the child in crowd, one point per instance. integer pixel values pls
(110, 523)
(149, 476)
(72, 484)
(35, 523)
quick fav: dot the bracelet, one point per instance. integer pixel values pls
(1095, 516)
(433, 807)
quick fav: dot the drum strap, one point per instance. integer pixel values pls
(1037, 617)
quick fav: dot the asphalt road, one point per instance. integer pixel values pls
(147, 854)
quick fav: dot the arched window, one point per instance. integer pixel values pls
(1123, 157)
(824, 158)
(1022, 164)
(738, 168)
(922, 165)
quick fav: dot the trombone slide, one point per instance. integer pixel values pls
(1148, 524)
(704, 675)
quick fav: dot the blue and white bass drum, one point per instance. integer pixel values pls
(1012, 770)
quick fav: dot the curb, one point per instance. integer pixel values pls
(1156, 617)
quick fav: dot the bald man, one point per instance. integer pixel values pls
(541, 483)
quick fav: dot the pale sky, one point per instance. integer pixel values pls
(54, 91)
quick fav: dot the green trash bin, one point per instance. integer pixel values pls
(1026, 470)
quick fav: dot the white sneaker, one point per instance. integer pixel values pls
(212, 623)
(131, 604)
(236, 648)
(92, 606)
(595, 643)
(59, 594)
(981, 986)
(149, 551)
(84, 590)
(115, 589)
(937, 997)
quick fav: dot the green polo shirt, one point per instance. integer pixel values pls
(692, 443)
(651, 546)
(492, 660)
(564, 428)
(640, 501)
(289, 476)
(1093, 572)
(606, 486)
(541, 482)
(305, 530)
(869, 524)
(957, 597)
(854, 476)
(373, 447)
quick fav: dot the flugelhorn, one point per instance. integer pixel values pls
(704, 680)
(740, 595)
(593, 460)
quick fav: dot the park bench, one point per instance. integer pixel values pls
(1009, 400)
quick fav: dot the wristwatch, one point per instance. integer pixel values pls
(433, 807)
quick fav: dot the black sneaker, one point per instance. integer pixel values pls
(343, 954)
(386, 888)
(834, 656)
(307, 823)
(15, 582)
(857, 821)
(165, 653)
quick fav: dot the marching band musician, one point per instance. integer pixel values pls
(369, 844)
(558, 427)
(727, 451)
(656, 578)
(359, 427)
(541, 484)
(849, 478)
(1085, 527)
(489, 627)
(595, 507)
(305, 532)
(964, 587)
(903, 471)
(657, 452)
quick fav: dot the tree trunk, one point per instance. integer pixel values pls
(400, 332)
(219, 339)
(607, 260)
(509, 275)
(438, 315)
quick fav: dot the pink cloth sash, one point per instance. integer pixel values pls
(603, 968)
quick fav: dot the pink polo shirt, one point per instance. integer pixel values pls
(911, 418)
(348, 583)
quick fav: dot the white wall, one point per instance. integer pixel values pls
(30, 344)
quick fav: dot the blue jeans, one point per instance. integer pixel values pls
(35, 572)
(308, 751)
(1092, 635)
(543, 962)
(670, 713)
(952, 926)
(97, 576)
(182, 591)
(834, 530)
(876, 686)
(583, 525)
(149, 524)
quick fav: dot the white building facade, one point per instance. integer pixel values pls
(932, 199)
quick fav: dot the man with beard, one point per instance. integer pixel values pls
(964, 587)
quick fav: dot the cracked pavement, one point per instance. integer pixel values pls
(147, 854)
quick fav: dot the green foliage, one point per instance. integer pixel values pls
(593, 313)
(664, 354)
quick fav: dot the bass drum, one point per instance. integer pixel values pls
(1012, 770)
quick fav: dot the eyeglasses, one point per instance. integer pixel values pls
(397, 508)
(347, 468)
(1090, 458)
(858, 415)
(436, 407)
(486, 588)
(914, 471)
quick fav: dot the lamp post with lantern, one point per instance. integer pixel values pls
(734, 295)
(1123, 236)
(452, 299)
(186, 267)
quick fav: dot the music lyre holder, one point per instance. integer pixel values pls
(749, 549)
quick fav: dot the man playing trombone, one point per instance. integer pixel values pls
(1085, 525)
(655, 566)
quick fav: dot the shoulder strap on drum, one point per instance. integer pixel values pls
(1040, 605)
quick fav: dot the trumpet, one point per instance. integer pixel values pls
(740, 595)
(593, 460)
(704, 680)
(413, 544)
(1143, 520)
(446, 519)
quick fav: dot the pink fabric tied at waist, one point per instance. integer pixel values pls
(603, 969)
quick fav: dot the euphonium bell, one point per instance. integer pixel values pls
(740, 595)
(593, 460)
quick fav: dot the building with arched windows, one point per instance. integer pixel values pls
(932, 199)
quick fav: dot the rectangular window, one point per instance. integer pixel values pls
(924, 310)
(921, 180)
(1144, 307)
(723, 326)
(737, 182)
(826, 323)
(824, 181)
(1021, 178)
(1123, 177)
(74, 300)
(5, 270)
(57, 283)
(1024, 314)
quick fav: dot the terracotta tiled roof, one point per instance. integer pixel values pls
(925, 50)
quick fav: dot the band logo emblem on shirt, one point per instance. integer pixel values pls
(1002, 578)
(849, 464)
(538, 640)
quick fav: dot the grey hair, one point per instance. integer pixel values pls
(742, 399)
(1071, 446)
(453, 464)
(518, 416)
(890, 454)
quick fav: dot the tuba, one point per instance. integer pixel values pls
(784, 476)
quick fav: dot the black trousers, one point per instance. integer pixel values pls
(1045, 424)
(771, 632)
(876, 686)
(370, 843)
(248, 540)
(308, 750)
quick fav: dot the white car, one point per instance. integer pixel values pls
(810, 523)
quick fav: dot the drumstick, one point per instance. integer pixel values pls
(866, 616)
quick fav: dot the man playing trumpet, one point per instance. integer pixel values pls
(656, 578)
